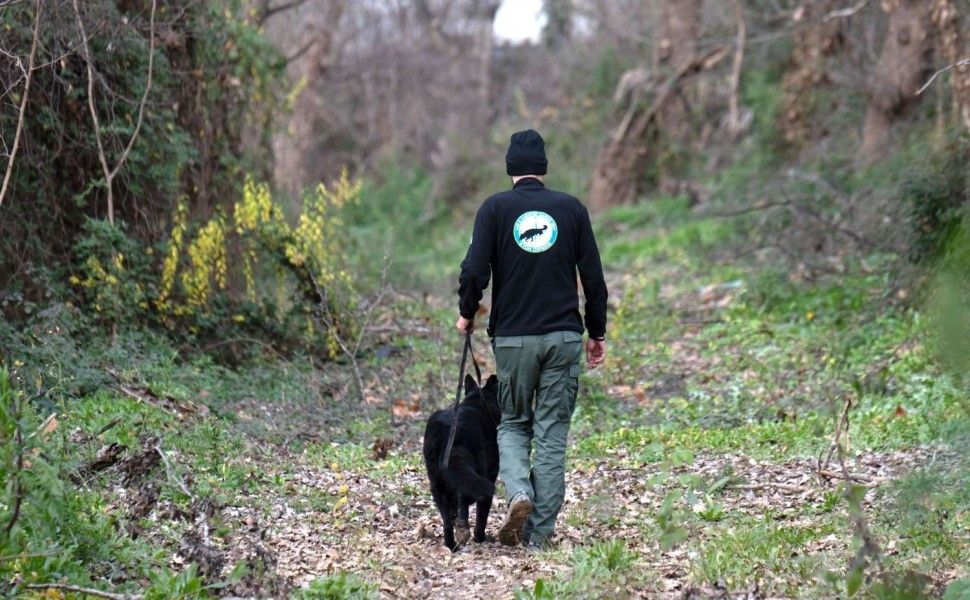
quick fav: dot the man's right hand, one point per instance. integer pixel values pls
(595, 352)
(465, 325)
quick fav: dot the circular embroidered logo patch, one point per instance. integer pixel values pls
(535, 231)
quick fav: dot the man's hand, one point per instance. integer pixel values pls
(465, 325)
(595, 352)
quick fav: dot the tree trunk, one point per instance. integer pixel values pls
(619, 171)
(899, 73)
(814, 41)
(952, 47)
(676, 45)
(616, 175)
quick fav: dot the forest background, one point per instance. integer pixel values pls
(229, 238)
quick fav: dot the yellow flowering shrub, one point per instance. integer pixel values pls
(208, 266)
(170, 263)
(294, 260)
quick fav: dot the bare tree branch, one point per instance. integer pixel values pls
(270, 11)
(846, 12)
(303, 50)
(23, 102)
(962, 63)
(110, 174)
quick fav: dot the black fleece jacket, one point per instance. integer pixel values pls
(532, 240)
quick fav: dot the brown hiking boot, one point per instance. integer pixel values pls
(510, 533)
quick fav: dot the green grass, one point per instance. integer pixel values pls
(739, 552)
(342, 586)
(601, 570)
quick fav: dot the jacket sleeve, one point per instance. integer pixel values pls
(476, 268)
(591, 276)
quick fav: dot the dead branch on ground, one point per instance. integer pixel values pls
(859, 478)
(28, 74)
(111, 173)
(64, 587)
(784, 487)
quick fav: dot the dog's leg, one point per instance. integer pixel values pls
(482, 507)
(461, 525)
(449, 526)
(444, 501)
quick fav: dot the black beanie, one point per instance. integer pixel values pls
(527, 154)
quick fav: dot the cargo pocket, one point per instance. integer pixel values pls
(505, 393)
(570, 383)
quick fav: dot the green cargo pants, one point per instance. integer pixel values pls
(538, 379)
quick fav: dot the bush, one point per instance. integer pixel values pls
(951, 304)
(937, 194)
(343, 586)
(115, 274)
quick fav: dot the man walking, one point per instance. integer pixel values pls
(531, 240)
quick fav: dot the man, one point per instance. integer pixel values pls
(532, 240)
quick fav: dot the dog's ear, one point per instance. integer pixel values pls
(470, 384)
(491, 384)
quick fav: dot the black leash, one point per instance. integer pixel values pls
(461, 380)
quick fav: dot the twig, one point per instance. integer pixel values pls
(787, 487)
(23, 103)
(43, 426)
(961, 63)
(858, 477)
(270, 11)
(109, 173)
(837, 438)
(303, 50)
(327, 317)
(82, 590)
(169, 472)
(845, 12)
(737, 212)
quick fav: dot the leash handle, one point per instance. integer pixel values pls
(461, 376)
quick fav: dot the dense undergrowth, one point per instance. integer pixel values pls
(134, 432)
(709, 355)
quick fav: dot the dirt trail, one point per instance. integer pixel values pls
(388, 530)
(376, 519)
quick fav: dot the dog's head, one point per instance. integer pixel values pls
(489, 390)
(490, 387)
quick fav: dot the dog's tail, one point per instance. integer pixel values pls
(462, 478)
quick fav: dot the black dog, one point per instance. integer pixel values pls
(473, 465)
